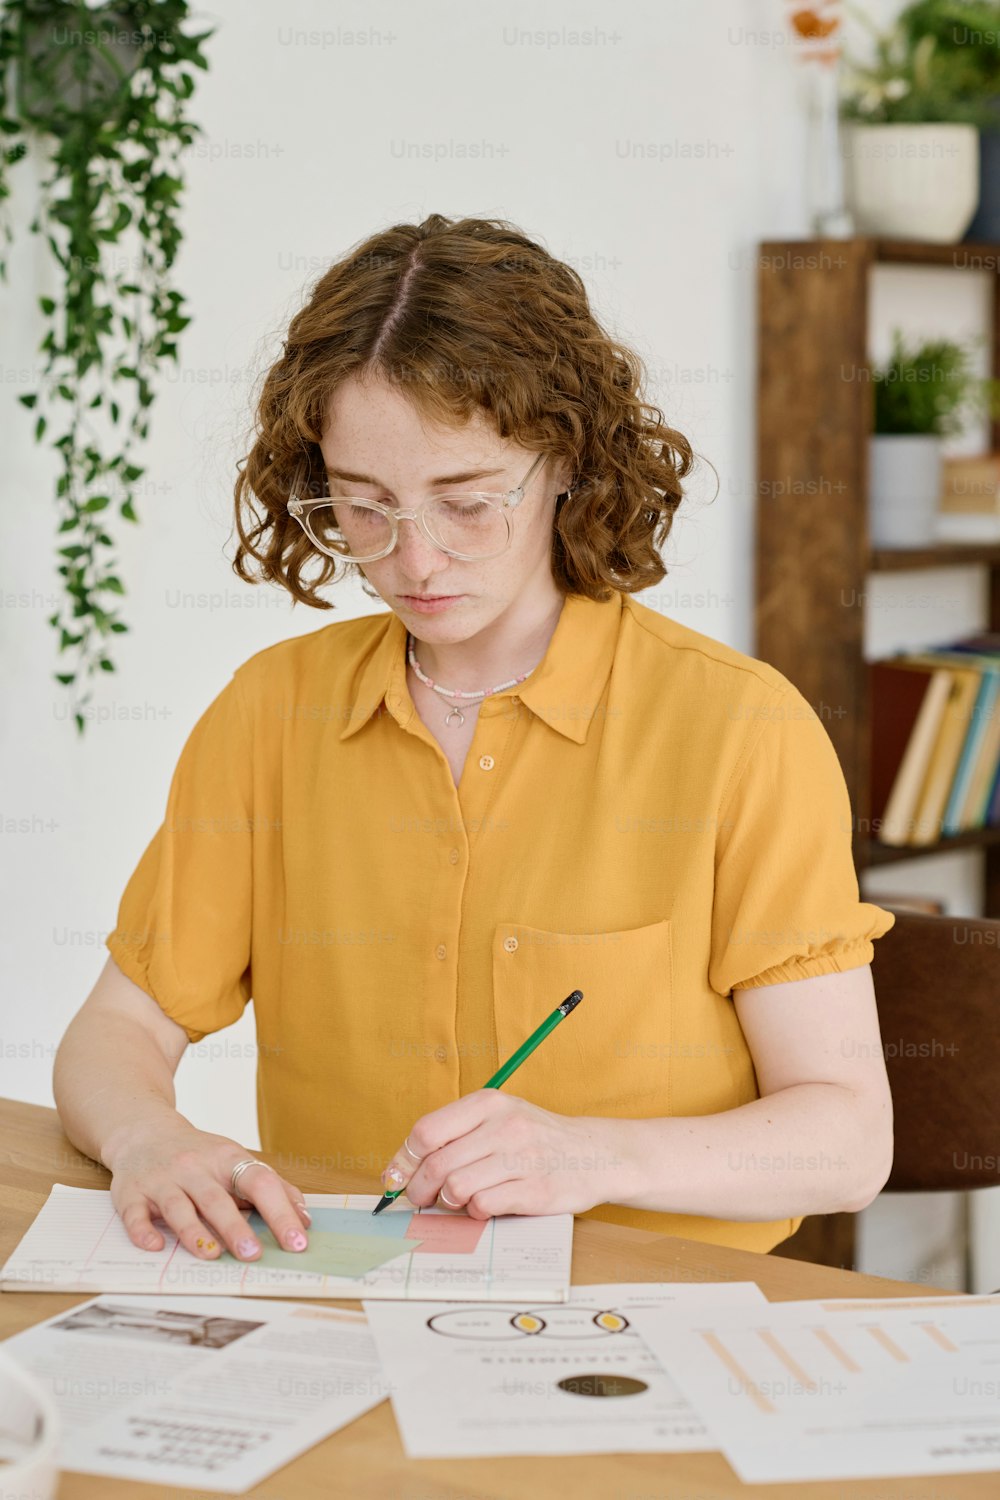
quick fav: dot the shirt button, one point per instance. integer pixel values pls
(440, 951)
(510, 944)
(487, 762)
(453, 855)
(440, 1053)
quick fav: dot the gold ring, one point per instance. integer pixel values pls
(410, 1151)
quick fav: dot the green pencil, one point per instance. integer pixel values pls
(511, 1065)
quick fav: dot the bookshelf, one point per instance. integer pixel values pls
(814, 421)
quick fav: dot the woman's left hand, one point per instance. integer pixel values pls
(491, 1153)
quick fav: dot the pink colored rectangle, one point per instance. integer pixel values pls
(448, 1234)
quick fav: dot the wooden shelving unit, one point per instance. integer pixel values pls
(942, 555)
(813, 554)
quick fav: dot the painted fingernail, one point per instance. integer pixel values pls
(247, 1247)
(393, 1177)
(151, 1241)
(296, 1240)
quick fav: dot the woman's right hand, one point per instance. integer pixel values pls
(181, 1175)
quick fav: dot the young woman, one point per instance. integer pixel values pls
(408, 837)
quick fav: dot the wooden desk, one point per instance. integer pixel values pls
(365, 1460)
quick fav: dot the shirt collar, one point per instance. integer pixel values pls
(564, 689)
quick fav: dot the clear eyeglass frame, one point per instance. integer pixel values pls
(504, 502)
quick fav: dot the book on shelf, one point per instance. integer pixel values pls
(985, 790)
(935, 741)
(966, 807)
(957, 730)
(908, 704)
(969, 502)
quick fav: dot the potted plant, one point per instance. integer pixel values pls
(911, 130)
(967, 45)
(102, 92)
(922, 394)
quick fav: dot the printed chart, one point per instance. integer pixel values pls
(478, 1381)
(840, 1390)
(77, 1243)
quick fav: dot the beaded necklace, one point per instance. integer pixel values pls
(455, 715)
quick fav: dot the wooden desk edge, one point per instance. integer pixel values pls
(367, 1455)
(35, 1152)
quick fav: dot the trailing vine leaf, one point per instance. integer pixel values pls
(105, 90)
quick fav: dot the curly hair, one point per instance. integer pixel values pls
(467, 315)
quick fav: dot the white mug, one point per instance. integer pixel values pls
(29, 1435)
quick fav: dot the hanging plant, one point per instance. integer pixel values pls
(105, 90)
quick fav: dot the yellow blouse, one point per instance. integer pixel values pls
(651, 817)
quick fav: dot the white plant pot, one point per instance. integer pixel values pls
(912, 182)
(904, 487)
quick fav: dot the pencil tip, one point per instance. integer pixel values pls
(386, 1200)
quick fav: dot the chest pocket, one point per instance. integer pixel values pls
(611, 1056)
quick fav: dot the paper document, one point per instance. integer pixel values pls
(201, 1395)
(840, 1390)
(78, 1243)
(519, 1378)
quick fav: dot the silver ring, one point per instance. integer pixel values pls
(409, 1149)
(445, 1199)
(239, 1169)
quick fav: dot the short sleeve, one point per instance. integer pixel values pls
(184, 920)
(786, 902)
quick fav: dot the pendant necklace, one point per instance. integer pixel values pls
(455, 715)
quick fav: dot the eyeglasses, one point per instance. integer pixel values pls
(471, 526)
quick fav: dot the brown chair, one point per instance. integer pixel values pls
(937, 985)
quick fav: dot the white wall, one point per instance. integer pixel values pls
(652, 156)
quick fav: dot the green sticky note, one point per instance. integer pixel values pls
(330, 1253)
